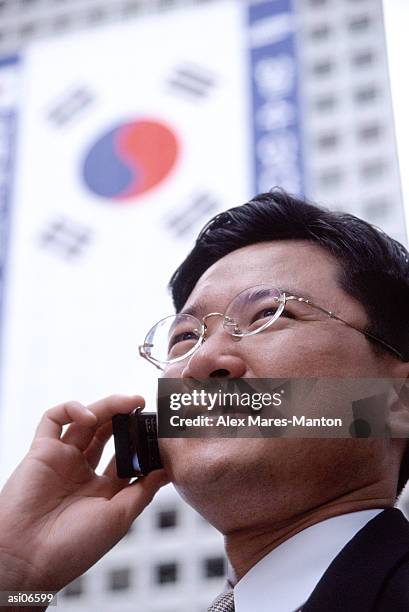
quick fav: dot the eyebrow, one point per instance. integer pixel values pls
(195, 310)
(289, 291)
(198, 309)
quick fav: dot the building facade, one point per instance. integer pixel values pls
(172, 560)
(349, 141)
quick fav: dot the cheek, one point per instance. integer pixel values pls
(311, 352)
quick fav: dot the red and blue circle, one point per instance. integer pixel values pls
(130, 159)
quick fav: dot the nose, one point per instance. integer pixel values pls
(219, 356)
(222, 373)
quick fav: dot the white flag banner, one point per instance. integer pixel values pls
(130, 138)
(129, 141)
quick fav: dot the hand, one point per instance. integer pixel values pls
(57, 517)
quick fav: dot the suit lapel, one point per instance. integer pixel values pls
(354, 579)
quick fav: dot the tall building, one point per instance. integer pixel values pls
(172, 560)
(349, 142)
(350, 147)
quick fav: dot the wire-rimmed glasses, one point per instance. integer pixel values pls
(253, 310)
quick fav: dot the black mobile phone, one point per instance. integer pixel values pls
(136, 443)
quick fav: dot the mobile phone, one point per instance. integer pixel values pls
(136, 443)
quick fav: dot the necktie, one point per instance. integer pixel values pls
(223, 603)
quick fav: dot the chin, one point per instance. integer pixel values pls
(196, 459)
(207, 472)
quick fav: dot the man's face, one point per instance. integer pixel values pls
(258, 473)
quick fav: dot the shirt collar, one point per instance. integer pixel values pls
(284, 579)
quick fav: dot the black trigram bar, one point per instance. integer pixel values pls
(187, 218)
(192, 80)
(68, 107)
(65, 237)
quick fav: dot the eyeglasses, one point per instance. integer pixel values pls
(253, 310)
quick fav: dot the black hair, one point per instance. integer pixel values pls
(374, 268)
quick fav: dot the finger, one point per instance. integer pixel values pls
(103, 409)
(110, 469)
(96, 446)
(132, 499)
(53, 420)
(85, 437)
(106, 408)
(116, 483)
(78, 435)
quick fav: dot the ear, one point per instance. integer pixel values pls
(398, 408)
(397, 368)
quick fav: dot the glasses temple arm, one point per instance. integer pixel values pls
(358, 329)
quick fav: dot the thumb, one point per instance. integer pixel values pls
(130, 501)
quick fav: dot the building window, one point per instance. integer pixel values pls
(119, 579)
(328, 141)
(323, 68)
(370, 132)
(366, 94)
(321, 32)
(75, 588)
(363, 59)
(62, 22)
(131, 7)
(167, 519)
(325, 103)
(166, 573)
(359, 24)
(330, 177)
(28, 29)
(96, 15)
(376, 209)
(372, 170)
(214, 567)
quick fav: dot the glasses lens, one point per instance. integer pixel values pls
(173, 338)
(253, 309)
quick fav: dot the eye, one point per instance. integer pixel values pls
(183, 337)
(268, 313)
(265, 313)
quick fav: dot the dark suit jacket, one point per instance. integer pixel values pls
(371, 573)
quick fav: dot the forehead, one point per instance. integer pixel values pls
(291, 265)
